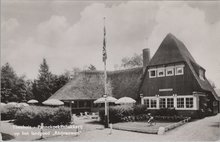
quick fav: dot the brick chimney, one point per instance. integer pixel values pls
(146, 58)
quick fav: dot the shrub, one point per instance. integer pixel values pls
(116, 113)
(140, 109)
(166, 112)
(8, 112)
(35, 115)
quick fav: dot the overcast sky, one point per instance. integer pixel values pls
(70, 33)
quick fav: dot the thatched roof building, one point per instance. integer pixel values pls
(90, 85)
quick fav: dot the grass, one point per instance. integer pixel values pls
(142, 127)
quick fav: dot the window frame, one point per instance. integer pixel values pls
(148, 102)
(179, 67)
(150, 70)
(170, 103)
(180, 103)
(194, 104)
(188, 103)
(155, 101)
(161, 69)
(165, 101)
(170, 68)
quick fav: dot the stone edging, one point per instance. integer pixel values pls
(162, 130)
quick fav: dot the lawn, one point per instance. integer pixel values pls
(142, 127)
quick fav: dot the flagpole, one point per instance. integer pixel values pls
(105, 78)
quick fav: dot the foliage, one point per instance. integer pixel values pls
(91, 67)
(117, 113)
(47, 83)
(125, 113)
(13, 87)
(140, 109)
(8, 112)
(57, 82)
(35, 115)
(130, 62)
(166, 112)
(41, 86)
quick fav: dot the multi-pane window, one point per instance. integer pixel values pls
(162, 103)
(180, 102)
(153, 103)
(170, 103)
(152, 73)
(166, 71)
(169, 71)
(189, 102)
(146, 102)
(161, 72)
(179, 70)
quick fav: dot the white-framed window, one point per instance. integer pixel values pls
(162, 103)
(152, 73)
(170, 102)
(169, 71)
(179, 70)
(147, 102)
(160, 72)
(153, 103)
(189, 102)
(180, 103)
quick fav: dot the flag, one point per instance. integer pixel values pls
(104, 53)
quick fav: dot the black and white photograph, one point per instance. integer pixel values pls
(111, 70)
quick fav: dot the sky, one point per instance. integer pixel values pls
(69, 33)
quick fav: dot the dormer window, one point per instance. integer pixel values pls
(169, 71)
(161, 72)
(152, 73)
(179, 70)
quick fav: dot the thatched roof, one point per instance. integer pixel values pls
(172, 50)
(90, 85)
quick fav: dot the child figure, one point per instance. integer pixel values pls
(150, 118)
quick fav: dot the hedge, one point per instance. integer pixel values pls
(35, 115)
(125, 113)
(8, 112)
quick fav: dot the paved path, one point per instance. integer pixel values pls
(206, 129)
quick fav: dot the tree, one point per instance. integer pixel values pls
(58, 81)
(12, 87)
(42, 86)
(91, 67)
(130, 62)
(29, 90)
